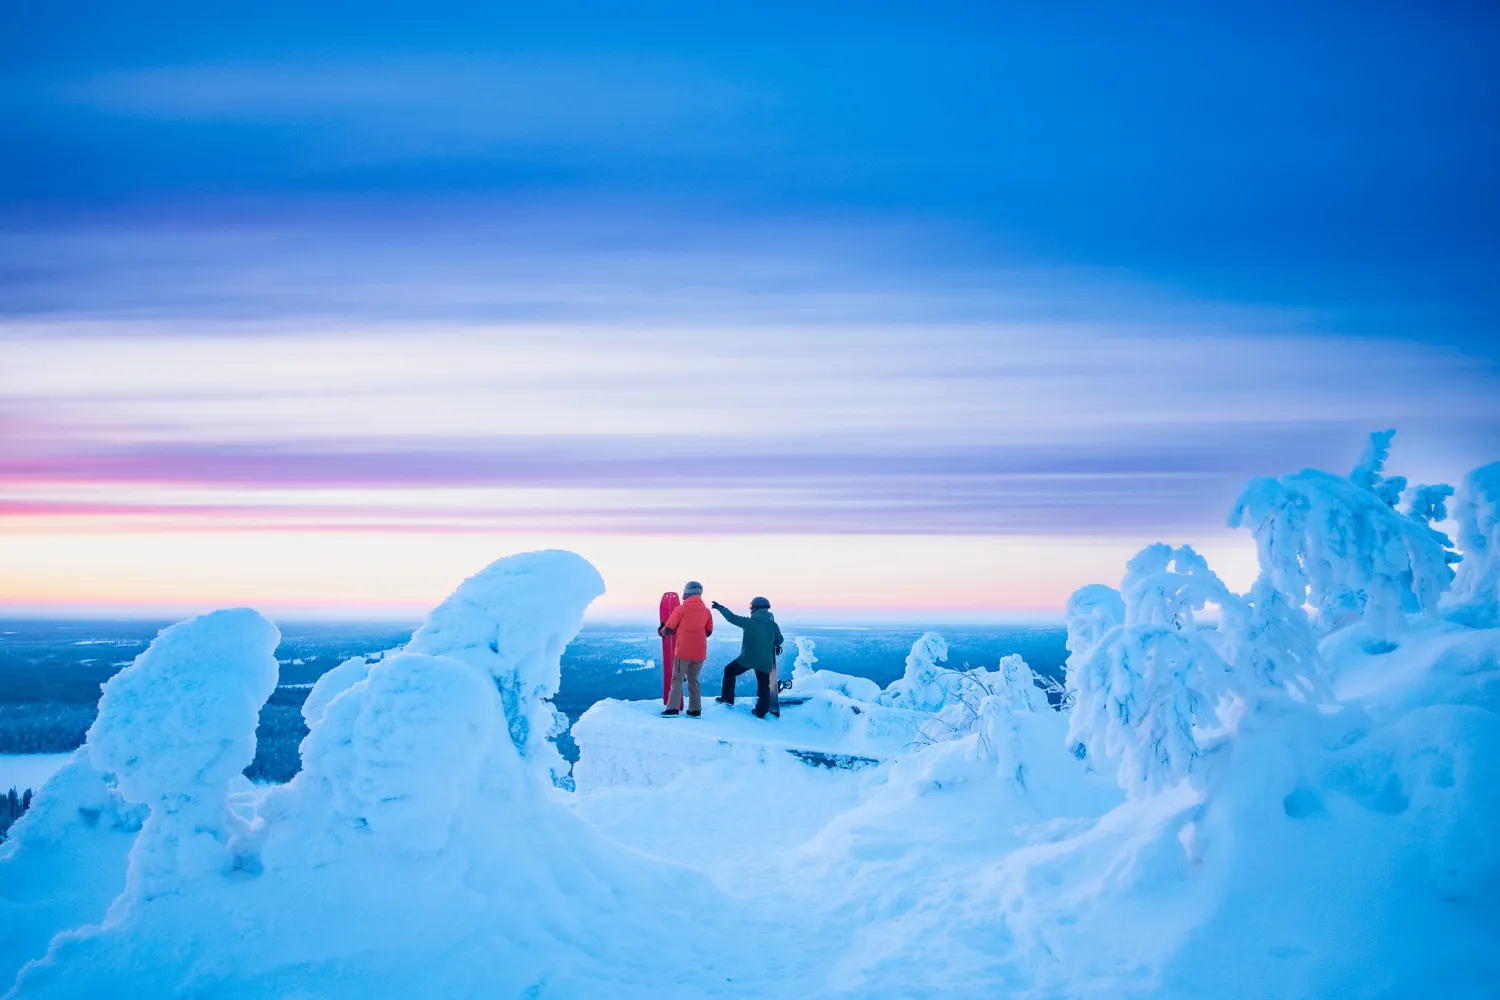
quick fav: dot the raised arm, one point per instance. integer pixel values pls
(730, 616)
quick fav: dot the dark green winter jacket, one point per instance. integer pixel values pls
(762, 638)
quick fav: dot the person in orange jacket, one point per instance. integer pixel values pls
(692, 623)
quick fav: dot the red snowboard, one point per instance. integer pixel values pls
(669, 602)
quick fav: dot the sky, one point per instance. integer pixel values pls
(904, 310)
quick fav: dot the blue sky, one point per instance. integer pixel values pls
(968, 271)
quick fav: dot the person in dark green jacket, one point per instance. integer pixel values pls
(759, 648)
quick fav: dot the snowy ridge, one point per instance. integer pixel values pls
(1284, 793)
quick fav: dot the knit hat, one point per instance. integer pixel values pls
(692, 587)
(759, 604)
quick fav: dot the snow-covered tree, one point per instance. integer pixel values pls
(1008, 737)
(1141, 696)
(175, 729)
(925, 685)
(1338, 543)
(512, 621)
(1016, 685)
(1476, 590)
(1010, 688)
(806, 663)
(1140, 691)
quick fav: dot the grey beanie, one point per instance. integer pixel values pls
(692, 587)
(759, 603)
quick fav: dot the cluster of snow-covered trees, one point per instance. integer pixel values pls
(403, 756)
(1153, 665)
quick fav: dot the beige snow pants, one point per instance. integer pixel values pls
(687, 670)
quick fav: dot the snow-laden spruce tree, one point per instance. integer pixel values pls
(1475, 598)
(1339, 544)
(512, 621)
(1144, 687)
(175, 728)
(806, 663)
(925, 685)
(1017, 685)
(146, 805)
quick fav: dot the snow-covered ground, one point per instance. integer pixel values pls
(1283, 793)
(630, 743)
(29, 770)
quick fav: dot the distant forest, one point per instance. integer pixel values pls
(11, 808)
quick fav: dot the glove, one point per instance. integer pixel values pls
(716, 606)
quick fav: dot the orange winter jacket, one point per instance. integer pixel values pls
(693, 624)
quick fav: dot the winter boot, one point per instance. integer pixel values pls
(693, 715)
(669, 711)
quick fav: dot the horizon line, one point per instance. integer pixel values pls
(405, 616)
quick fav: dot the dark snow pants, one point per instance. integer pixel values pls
(732, 671)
